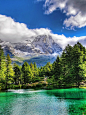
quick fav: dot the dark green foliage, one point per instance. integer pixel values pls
(27, 73)
(9, 71)
(17, 75)
(72, 61)
(69, 70)
(57, 68)
(2, 65)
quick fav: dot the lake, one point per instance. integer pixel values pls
(43, 102)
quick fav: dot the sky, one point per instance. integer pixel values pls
(64, 20)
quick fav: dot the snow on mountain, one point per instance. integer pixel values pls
(46, 44)
(42, 45)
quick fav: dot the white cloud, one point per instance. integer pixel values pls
(63, 41)
(15, 31)
(52, 5)
(76, 21)
(18, 32)
(74, 9)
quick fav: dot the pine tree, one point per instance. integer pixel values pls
(77, 62)
(9, 71)
(67, 68)
(17, 76)
(58, 70)
(35, 72)
(2, 68)
(27, 73)
(32, 66)
(35, 66)
(72, 60)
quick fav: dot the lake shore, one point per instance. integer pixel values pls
(41, 85)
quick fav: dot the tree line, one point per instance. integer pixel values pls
(68, 70)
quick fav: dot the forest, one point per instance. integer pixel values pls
(68, 70)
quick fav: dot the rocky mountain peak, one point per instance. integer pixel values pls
(46, 44)
(43, 44)
(40, 49)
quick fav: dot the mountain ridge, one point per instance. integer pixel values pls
(41, 46)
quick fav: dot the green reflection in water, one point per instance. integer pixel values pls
(43, 102)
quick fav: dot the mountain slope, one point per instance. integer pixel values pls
(41, 48)
(46, 44)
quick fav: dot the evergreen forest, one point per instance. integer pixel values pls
(67, 71)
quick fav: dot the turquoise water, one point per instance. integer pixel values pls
(43, 102)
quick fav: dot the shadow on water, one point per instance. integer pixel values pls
(73, 93)
(76, 99)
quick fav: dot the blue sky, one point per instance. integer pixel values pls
(32, 14)
(59, 16)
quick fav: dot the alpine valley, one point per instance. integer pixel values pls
(40, 49)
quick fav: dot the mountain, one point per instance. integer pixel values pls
(46, 44)
(40, 50)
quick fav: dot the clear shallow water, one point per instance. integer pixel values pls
(43, 102)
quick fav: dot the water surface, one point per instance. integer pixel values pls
(43, 102)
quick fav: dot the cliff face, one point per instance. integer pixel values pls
(40, 45)
(41, 48)
(46, 44)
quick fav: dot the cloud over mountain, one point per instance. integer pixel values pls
(75, 11)
(18, 32)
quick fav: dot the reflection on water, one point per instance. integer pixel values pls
(75, 99)
(43, 102)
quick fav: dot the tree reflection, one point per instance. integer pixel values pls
(74, 98)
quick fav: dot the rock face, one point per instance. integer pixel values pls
(46, 44)
(41, 48)
(40, 45)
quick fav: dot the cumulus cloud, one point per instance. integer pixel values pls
(75, 10)
(76, 21)
(63, 41)
(18, 32)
